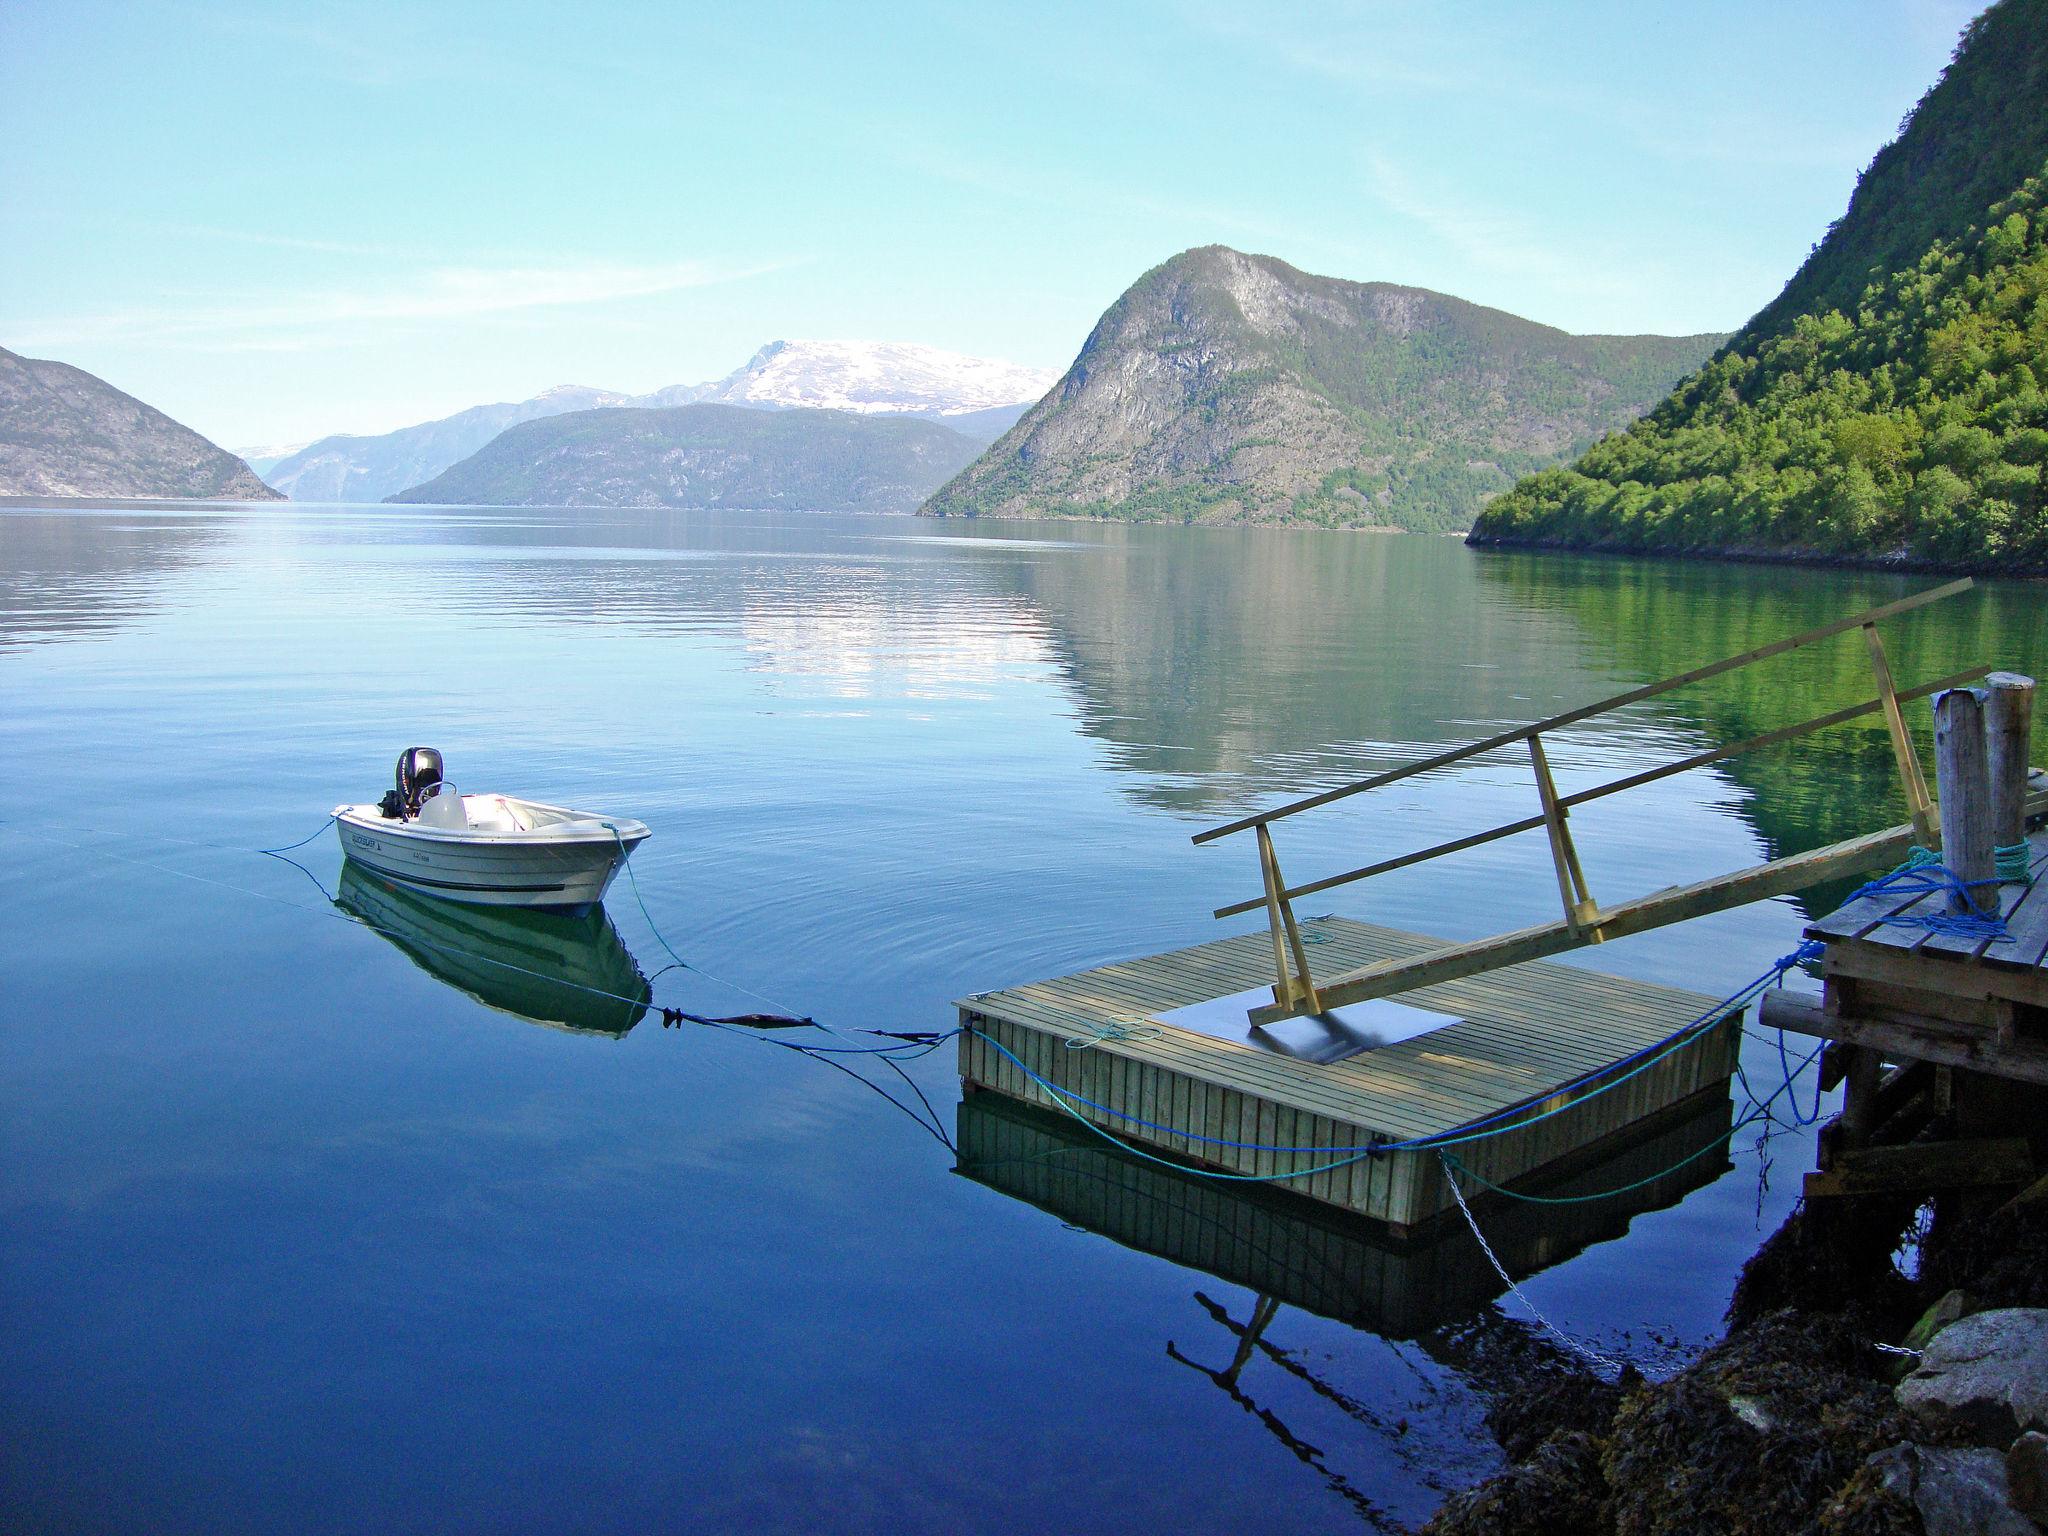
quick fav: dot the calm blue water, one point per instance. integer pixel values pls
(296, 1236)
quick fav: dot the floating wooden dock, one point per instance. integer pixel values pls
(1512, 1042)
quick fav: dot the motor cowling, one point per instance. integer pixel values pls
(419, 770)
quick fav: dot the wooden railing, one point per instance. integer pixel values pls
(1585, 921)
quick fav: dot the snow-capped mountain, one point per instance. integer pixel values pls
(873, 376)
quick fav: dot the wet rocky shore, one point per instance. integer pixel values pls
(1884, 1372)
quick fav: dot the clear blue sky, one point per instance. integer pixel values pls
(280, 220)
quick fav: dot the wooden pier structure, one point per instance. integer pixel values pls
(1520, 1043)
(1939, 1033)
(1244, 1058)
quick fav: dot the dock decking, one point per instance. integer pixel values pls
(1865, 940)
(1516, 1039)
(1974, 1003)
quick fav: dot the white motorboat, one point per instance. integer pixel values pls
(485, 850)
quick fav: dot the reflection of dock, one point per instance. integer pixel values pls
(1507, 1042)
(1295, 1251)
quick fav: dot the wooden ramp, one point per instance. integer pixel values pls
(1516, 1041)
(1299, 989)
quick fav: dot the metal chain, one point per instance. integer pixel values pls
(1576, 1346)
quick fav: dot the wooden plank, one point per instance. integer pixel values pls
(2028, 923)
(1936, 976)
(1670, 906)
(1587, 711)
(1400, 1071)
(2011, 899)
(1571, 880)
(2024, 1060)
(1925, 1165)
(1918, 811)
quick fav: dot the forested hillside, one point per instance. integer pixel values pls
(1882, 407)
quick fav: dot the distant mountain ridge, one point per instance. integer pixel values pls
(64, 432)
(708, 455)
(1226, 387)
(1891, 404)
(978, 396)
(345, 468)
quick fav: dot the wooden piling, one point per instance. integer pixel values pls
(2008, 742)
(1963, 780)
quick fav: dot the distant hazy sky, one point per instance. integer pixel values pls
(280, 220)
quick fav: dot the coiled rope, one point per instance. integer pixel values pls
(1923, 875)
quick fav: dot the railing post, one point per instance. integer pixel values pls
(1917, 808)
(1580, 910)
(1288, 986)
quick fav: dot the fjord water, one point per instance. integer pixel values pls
(296, 1233)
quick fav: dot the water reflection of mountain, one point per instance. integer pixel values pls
(1228, 665)
(1292, 1251)
(78, 574)
(569, 973)
(1660, 618)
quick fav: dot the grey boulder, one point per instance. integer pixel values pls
(1958, 1491)
(1986, 1375)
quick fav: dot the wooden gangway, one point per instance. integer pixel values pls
(1297, 991)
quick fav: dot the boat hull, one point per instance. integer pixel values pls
(561, 873)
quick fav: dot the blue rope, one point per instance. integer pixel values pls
(1923, 874)
(288, 847)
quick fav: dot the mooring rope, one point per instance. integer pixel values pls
(909, 1046)
(1923, 874)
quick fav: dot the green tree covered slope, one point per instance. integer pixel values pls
(1892, 403)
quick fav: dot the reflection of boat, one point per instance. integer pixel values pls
(1295, 1250)
(544, 966)
(485, 850)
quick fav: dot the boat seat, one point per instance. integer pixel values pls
(444, 812)
(490, 813)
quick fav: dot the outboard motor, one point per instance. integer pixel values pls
(419, 770)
